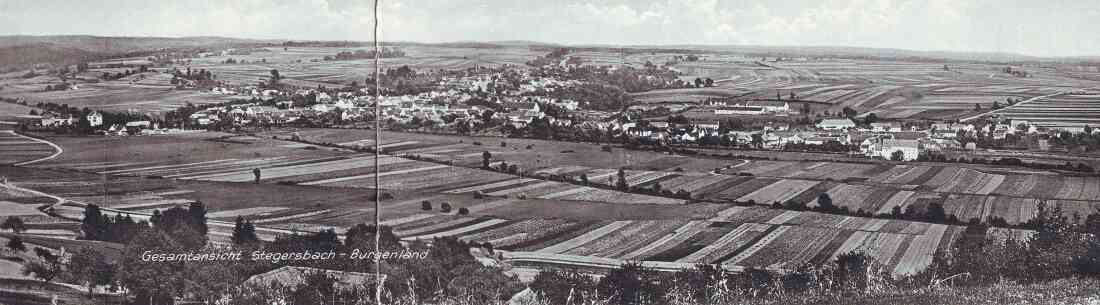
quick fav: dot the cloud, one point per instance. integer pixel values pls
(1041, 28)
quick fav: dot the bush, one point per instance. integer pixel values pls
(463, 211)
(606, 148)
(477, 143)
(445, 207)
(426, 205)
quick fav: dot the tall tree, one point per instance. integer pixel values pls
(91, 268)
(15, 224)
(486, 157)
(94, 225)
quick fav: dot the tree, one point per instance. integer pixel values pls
(181, 225)
(849, 112)
(244, 232)
(825, 203)
(445, 207)
(698, 82)
(92, 268)
(936, 213)
(426, 205)
(564, 287)
(15, 224)
(621, 183)
(197, 212)
(977, 107)
(275, 77)
(897, 155)
(16, 244)
(709, 82)
(870, 118)
(630, 284)
(463, 211)
(361, 236)
(94, 224)
(485, 158)
(46, 268)
(584, 179)
(757, 140)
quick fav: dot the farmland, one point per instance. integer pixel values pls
(303, 65)
(16, 148)
(537, 221)
(890, 89)
(563, 204)
(142, 92)
(1064, 110)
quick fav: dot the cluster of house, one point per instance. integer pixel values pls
(452, 101)
(752, 107)
(879, 141)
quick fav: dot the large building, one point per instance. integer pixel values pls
(836, 124)
(754, 108)
(886, 148)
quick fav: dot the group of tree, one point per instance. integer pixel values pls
(365, 54)
(1015, 72)
(1062, 248)
(58, 87)
(200, 75)
(1080, 167)
(121, 74)
(633, 284)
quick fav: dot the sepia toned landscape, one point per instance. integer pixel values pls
(530, 172)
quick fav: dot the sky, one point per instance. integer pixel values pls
(1029, 27)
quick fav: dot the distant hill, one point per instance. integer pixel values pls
(22, 52)
(25, 56)
(128, 44)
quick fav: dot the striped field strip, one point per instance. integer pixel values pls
(406, 219)
(288, 217)
(235, 167)
(170, 166)
(722, 242)
(586, 237)
(459, 231)
(305, 169)
(390, 173)
(194, 170)
(756, 247)
(524, 188)
(568, 192)
(489, 186)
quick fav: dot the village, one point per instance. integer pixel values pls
(507, 102)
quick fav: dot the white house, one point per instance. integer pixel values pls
(836, 124)
(885, 148)
(739, 110)
(886, 127)
(95, 119)
(705, 125)
(50, 121)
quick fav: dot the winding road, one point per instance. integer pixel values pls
(57, 149)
